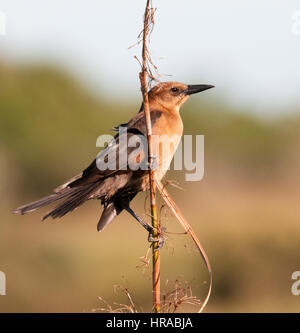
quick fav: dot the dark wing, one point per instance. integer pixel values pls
(135, 129)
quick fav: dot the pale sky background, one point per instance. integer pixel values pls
(246, 48)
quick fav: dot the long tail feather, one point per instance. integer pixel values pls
(77, 197)
(40, 203)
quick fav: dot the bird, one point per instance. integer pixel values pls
(109, 178)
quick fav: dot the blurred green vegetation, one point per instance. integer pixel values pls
(245, 210)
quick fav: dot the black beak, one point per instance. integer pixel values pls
(195, 88)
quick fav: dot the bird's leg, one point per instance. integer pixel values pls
(148, 227)
(144, 224)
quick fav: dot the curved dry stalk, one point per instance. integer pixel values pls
(188, 229)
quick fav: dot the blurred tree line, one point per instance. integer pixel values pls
(49, 124)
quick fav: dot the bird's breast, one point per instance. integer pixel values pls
(167, 134)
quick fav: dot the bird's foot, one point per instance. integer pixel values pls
(159, 239)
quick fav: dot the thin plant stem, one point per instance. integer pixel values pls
(154, 220)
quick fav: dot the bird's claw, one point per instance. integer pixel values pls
(160, 240)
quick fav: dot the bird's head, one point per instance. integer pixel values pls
(171, 95)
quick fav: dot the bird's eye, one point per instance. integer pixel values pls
(174, 89)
